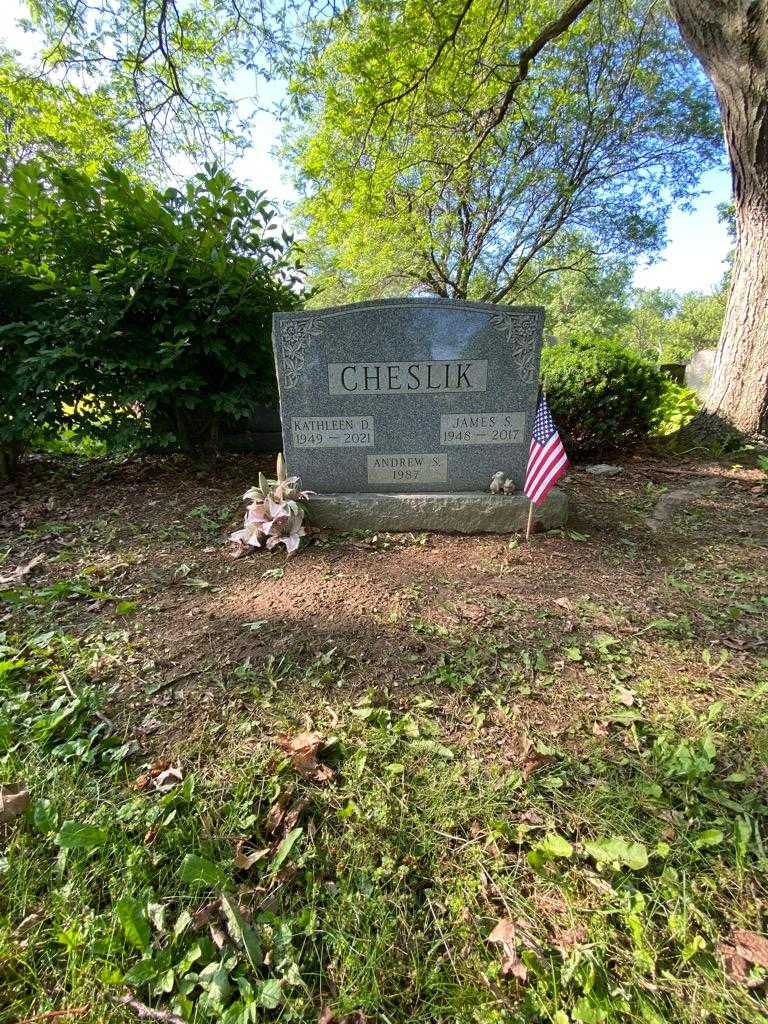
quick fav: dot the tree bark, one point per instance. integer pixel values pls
(730, 39)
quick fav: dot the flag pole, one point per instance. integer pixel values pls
(530, 521)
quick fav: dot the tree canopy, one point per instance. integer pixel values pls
(171, 63)
(42, 117)
(411, 181)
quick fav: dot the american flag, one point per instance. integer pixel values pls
(547, 460)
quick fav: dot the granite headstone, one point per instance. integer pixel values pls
(407, 395)
(698, 372)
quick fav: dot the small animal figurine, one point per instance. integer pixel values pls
(497, 483)
(509, 486)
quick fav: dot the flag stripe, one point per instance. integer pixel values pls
(555, 475)
(539, 462)
(544, 473)
(551, 478)
(537, 459)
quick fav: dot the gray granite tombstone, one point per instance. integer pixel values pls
(698, 372)
(407, 395)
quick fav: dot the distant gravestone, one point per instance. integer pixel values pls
(698, 372)
(674, 371)
(402, 395)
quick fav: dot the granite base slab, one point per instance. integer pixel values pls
(464, 512)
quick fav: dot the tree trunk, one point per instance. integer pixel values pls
(730, 39)
(10, 457)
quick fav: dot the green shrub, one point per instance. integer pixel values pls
(677, 406)
(143, 310)
(602, 395)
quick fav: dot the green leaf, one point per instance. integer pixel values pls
(555, 845)
(240, 931)
(215, 979)
(709, 837)
(132, 916)
(141, 973)
(183, 921)
(617, 850)
(73, 835)
(44, 816)
(269, 994)
(537, 859)
(285, 848)
(164, 984)
(198, 871)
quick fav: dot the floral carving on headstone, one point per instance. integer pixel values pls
(297, 336)
(520, 328)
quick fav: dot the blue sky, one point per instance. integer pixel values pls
(693, 259)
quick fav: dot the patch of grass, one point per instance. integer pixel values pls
(210, 520)
(618, 868)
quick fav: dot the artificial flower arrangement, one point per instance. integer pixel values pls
(275, 515)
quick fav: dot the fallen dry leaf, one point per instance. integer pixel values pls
(744, 948)
(14, 800)
(327, 1017)
(302, 751)
(504, 933)
(245, 860)
(275, 817)
(532, 817)
(282, 818)
(21, 571)
(218, 935)
(751, 946)
(735, 966)
(531, 763)
(161, 776)
(473, 612)
(205, 914)
(551, 904)
(144, 780)
(292, 816)
(570, 937)
(29, 922)
(167, 779)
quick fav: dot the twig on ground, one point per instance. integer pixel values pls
(144, 1012)
(68, 685)
(72, 1011)
(107, 721)
(157, 687)
(20, 571)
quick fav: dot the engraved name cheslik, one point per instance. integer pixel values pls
(386, 378)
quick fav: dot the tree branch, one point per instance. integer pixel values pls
(551, 31)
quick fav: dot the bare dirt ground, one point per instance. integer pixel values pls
(150, 538)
